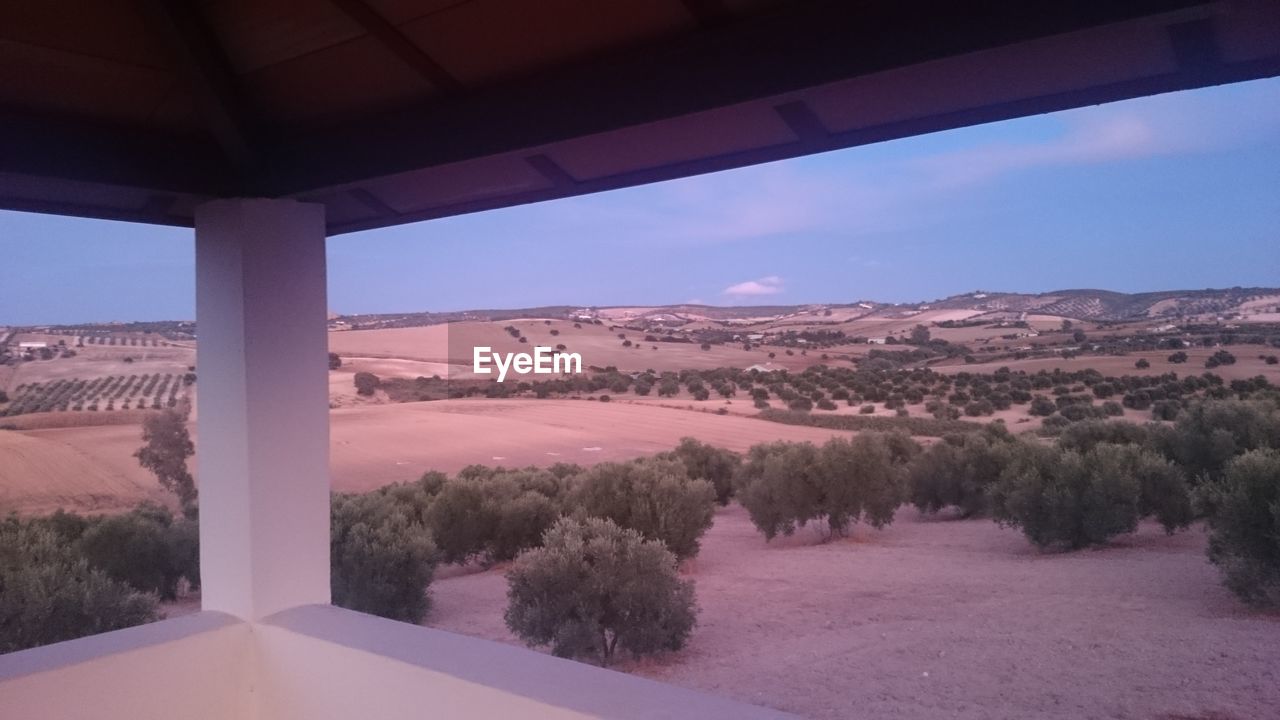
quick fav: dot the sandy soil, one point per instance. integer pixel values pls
(951, 619)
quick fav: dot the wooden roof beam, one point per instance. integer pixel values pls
(217, 91)
(392, 39)
(708, 13)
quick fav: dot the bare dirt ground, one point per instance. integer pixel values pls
(40, 474)
(597, 344)
(950, 619)
(1247, 365)
(93, 468)
(93, 361)
(375, 445)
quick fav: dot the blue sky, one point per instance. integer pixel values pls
(1169, 192)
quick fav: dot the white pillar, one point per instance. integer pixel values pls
(263, 406)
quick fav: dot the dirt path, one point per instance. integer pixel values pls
(952, 619)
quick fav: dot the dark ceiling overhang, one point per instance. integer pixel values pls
(733, 88)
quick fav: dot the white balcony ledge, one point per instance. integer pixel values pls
(320, 662)
(198, 666)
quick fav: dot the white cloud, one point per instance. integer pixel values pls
(771, 285)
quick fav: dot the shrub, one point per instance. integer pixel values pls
(145, 549)
(801, 403)
(978, 408)
(1165, 409)
(1085, 435)
(366, 383)
(957, 471)
(1142, 364)
(49, 594)
(335, 361)
(1042, 406)
(1054, 424)
(654, 496)
(381, 560)
(1244, 528)
(1221, 357)
(594, 588)
(715, 465)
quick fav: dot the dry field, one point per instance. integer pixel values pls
(1247, 364)
(951, 619)
(40, 473)
(92, 468)
(93, 361)
(375, 445)
(597, 344)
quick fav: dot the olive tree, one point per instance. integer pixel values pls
(957, 471)
(653, 496)
(144, 548)
(1209, 433)
(1070, 499)
(1244, 529)
(493, 513)
(381, 560)
(715, 465)
(168, 445)
(594, 588)
(787, 485)
(48, 593)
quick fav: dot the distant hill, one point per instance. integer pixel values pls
(1078, 304)
(1109, 305)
